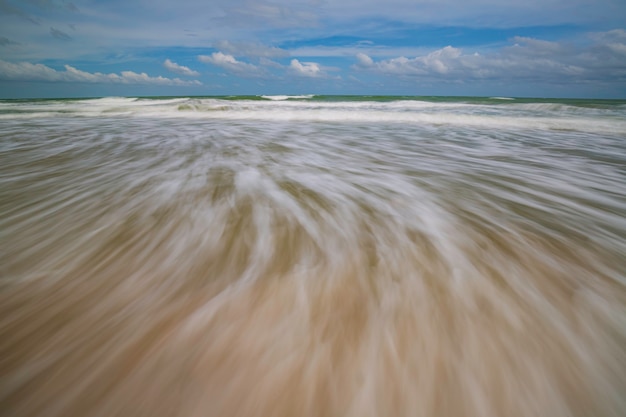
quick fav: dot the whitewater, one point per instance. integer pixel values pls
(312, 256)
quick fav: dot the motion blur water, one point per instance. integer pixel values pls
(312, 257)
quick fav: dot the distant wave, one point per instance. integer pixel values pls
(583, 116)
(282, 98)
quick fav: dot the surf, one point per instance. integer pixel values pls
(298, 257)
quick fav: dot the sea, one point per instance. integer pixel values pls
(308, 256)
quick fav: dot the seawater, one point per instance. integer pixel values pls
(312, 256)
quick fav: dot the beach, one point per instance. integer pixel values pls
(313, 256)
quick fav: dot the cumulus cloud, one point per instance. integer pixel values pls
(26, 71)
(364, 60)
(305, 69)
(527, 59)
(230, 63)
(441, 61)
(245, 69)
(179, 69)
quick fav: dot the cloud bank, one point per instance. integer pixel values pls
(25, 71)
(527, 59)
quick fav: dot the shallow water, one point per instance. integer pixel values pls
(309, 257)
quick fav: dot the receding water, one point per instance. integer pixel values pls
(316, 256)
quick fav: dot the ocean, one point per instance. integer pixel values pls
(313, 256)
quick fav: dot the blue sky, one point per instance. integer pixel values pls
(536, 48)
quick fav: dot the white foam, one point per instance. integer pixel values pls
(535, 116)
(282, 98)
(244, 245)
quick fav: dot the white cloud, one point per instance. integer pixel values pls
(364, 60)
(615, 35)
(250, 49)
(269, 63)
(527, 59)
(617, 48)
(305, 69)
(25, 71)
(441, 61)
(255, 26)
(244, 69)
(179, 69)
(230, 63)
(611, 45)
(538, 47)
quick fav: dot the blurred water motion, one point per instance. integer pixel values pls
(207, 257)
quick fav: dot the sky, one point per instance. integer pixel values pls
(530, 48)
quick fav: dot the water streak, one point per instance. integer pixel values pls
(306, 256)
